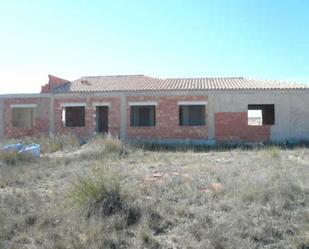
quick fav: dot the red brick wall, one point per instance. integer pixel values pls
(167, 120)
(52, 82)
(41, 114)
(228, 125)
(89, 128)
(233, 126)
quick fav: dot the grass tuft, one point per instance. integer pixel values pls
(274, 152)
(98, 194)
(114, 145)
(148, 240)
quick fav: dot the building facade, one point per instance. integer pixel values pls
(137, 107)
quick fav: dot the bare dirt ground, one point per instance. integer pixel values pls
(167, 199)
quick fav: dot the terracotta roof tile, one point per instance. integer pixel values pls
(145, 83)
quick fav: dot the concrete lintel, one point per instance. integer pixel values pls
(138, 103)
(192, 102)
(73, 104)
(101, 104)
(23, 105)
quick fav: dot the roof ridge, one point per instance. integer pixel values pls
(178, 78)
(276, 81)
(116, 75)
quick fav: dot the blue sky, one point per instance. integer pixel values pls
(253, 38)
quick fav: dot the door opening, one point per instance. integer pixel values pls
(102, 119)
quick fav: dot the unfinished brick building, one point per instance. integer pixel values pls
(137, 107)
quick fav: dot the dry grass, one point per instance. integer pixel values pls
(14, 158)
(50, 145)
(108, 145)
(164, 199)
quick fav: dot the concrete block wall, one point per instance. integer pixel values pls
(291, 115)
(231, 117)
(167, 119)
(295, 117)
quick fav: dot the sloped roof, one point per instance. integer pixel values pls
(145, 83)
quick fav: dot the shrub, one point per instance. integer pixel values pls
(99, 195)
(133, 215)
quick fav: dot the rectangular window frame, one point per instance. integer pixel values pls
(268, 113)
(65, 115)
(136, 118)
(187, 108)
(31, 108)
